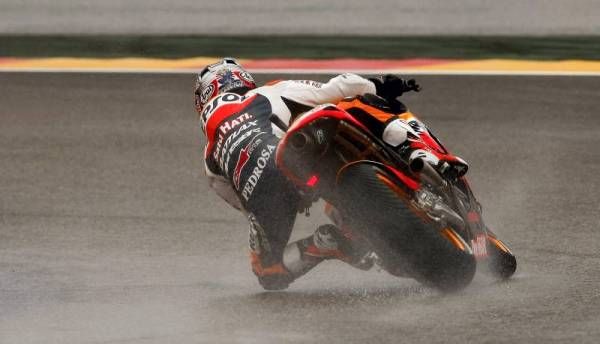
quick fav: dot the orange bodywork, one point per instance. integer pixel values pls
(449, 234)
(496, 242)
(392, 185)
(379, 114)
(273, 82)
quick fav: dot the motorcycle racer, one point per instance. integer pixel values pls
(239, 121)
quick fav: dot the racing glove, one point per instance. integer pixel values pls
(390, 86)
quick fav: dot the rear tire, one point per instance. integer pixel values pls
(406, 243)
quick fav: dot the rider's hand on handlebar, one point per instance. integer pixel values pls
(390, 86)
(411, 85)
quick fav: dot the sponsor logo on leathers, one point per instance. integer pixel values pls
(211, 108)
(226, 154)
(223, 129)
(257, 238)
(228, 125)
(261, 162)
(243, 158)
(312, 83)
(222, 143)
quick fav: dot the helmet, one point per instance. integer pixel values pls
(224, 76)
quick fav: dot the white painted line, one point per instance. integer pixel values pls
(308, 71)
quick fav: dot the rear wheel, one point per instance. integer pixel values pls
(407, 244)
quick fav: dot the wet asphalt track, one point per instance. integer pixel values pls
(108, 233)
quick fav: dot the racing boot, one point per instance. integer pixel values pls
(269, 270)
(328, 242)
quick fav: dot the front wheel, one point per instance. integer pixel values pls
(377, 207)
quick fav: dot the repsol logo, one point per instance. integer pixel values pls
(227, 98)
(261, 162)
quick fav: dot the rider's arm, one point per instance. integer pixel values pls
(290, 98)
(311, 93)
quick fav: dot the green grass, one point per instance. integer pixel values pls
(319, 47)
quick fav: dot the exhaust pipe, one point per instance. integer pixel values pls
(300, 140)
(426, 171)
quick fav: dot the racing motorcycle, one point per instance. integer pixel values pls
(411, 206)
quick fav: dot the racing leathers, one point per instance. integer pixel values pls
(240, 165)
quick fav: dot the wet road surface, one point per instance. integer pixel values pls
(109, 234)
